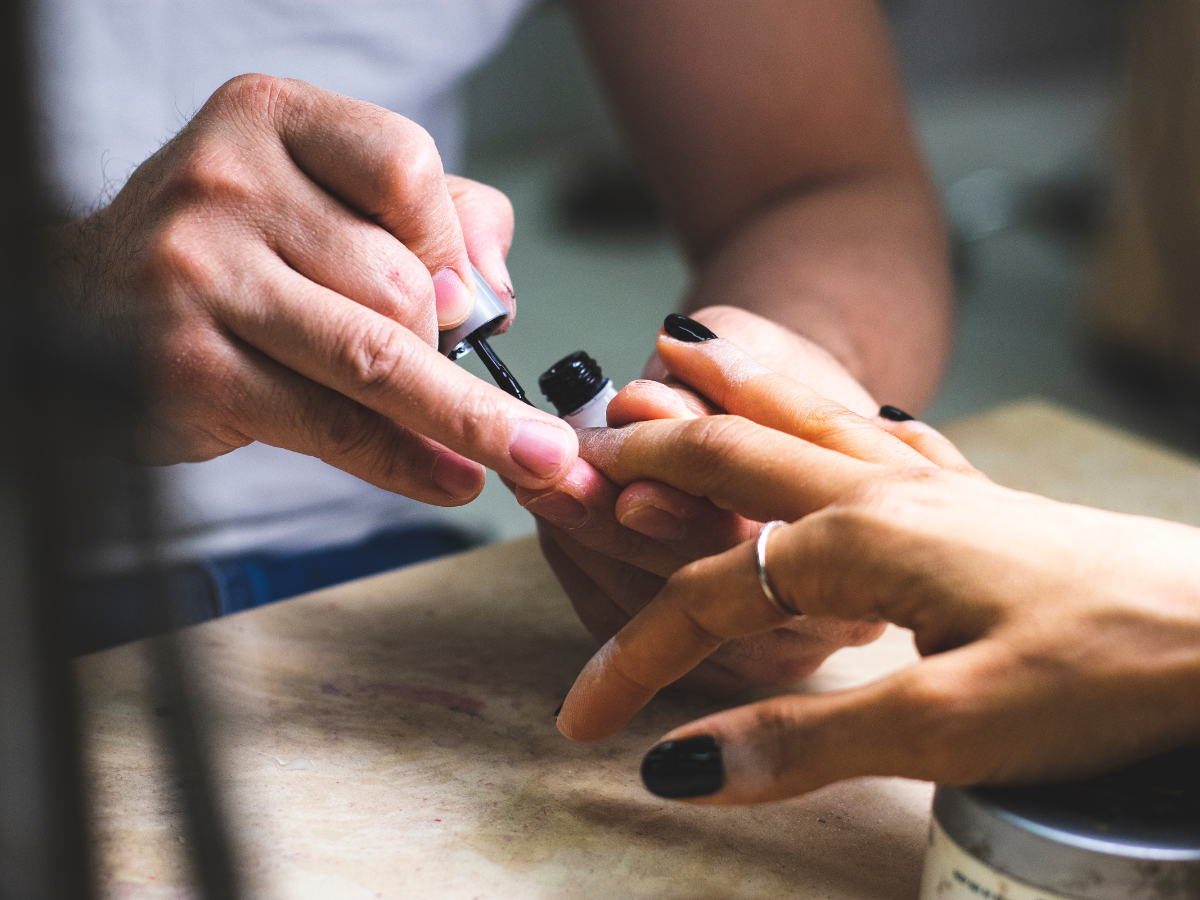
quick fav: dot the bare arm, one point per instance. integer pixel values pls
(776, 136)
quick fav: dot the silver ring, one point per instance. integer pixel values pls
(760, 563)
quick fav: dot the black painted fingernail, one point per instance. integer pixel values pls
(684, 329)
(687, 768)
(557, 711)
(892, 414)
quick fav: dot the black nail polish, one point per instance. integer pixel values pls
(684, 329)
(687, 768)
(892, 414)
(557, 711)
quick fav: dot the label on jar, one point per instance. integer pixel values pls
(951, 873)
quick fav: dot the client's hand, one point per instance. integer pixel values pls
(1058, 640)
(613, 550)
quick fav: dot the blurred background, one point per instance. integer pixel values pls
(1019, 106)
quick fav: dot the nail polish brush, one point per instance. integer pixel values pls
(487, 316)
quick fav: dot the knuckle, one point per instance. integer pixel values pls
(252, 92)
(939, 718)
(350, 432)
(343, 431)
(411, 175)
(774, 725)
(822, 419)
(632, 588)
(179, 256)
(711, 443)
(700, 635)
(209, 174)
(901, 497)
(190, 368)
(374, 356)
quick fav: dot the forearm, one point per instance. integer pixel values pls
(858, 266)
(777, 137)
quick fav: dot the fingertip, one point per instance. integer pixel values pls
(460, 478)
(684, 768)
(543, 451)
(493, 268)
(653, 522)
(644, 399)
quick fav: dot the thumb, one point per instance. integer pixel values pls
(486, 218)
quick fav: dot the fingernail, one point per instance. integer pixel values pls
(458, 477)
(892, 414)
(540, 448)
(558, 509)
(687, 768)
(557, 711)
(453, 298)
(500, 267)
(654, 522)
(683, 328)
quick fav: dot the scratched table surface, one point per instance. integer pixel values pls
(394, 737)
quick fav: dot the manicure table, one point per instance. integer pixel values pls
(394, 737)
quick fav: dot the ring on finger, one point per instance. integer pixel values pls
(760, 564)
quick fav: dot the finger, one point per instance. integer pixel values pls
(335, 247)
(692, 526)
(383, 366)
(628, 587)
(597, 610)
(642, 400)
(386, 167)
(755, 471)
(486, 218)
(782, 350)
(276, 406)
(930, 443)
(1004, 710)
(705, 604)
(738, 383)
(951, 719)
(582, 503)
(606, 593)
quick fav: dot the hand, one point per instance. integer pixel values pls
(612, 550)
(1058, 640)
(281, 270)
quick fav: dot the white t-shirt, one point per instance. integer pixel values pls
(120, 77)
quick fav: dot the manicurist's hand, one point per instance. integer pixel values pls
(1057, 640)
(612, 549)
(281, 270)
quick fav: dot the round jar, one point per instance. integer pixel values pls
(1130, 835)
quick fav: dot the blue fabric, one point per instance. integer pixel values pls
(107, 612)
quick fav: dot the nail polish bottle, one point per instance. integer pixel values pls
(578, 390)
(488, 315)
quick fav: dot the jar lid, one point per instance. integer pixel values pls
(1134, 833)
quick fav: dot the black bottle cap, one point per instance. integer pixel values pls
(571, 382)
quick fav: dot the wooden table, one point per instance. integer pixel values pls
(394, 737)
